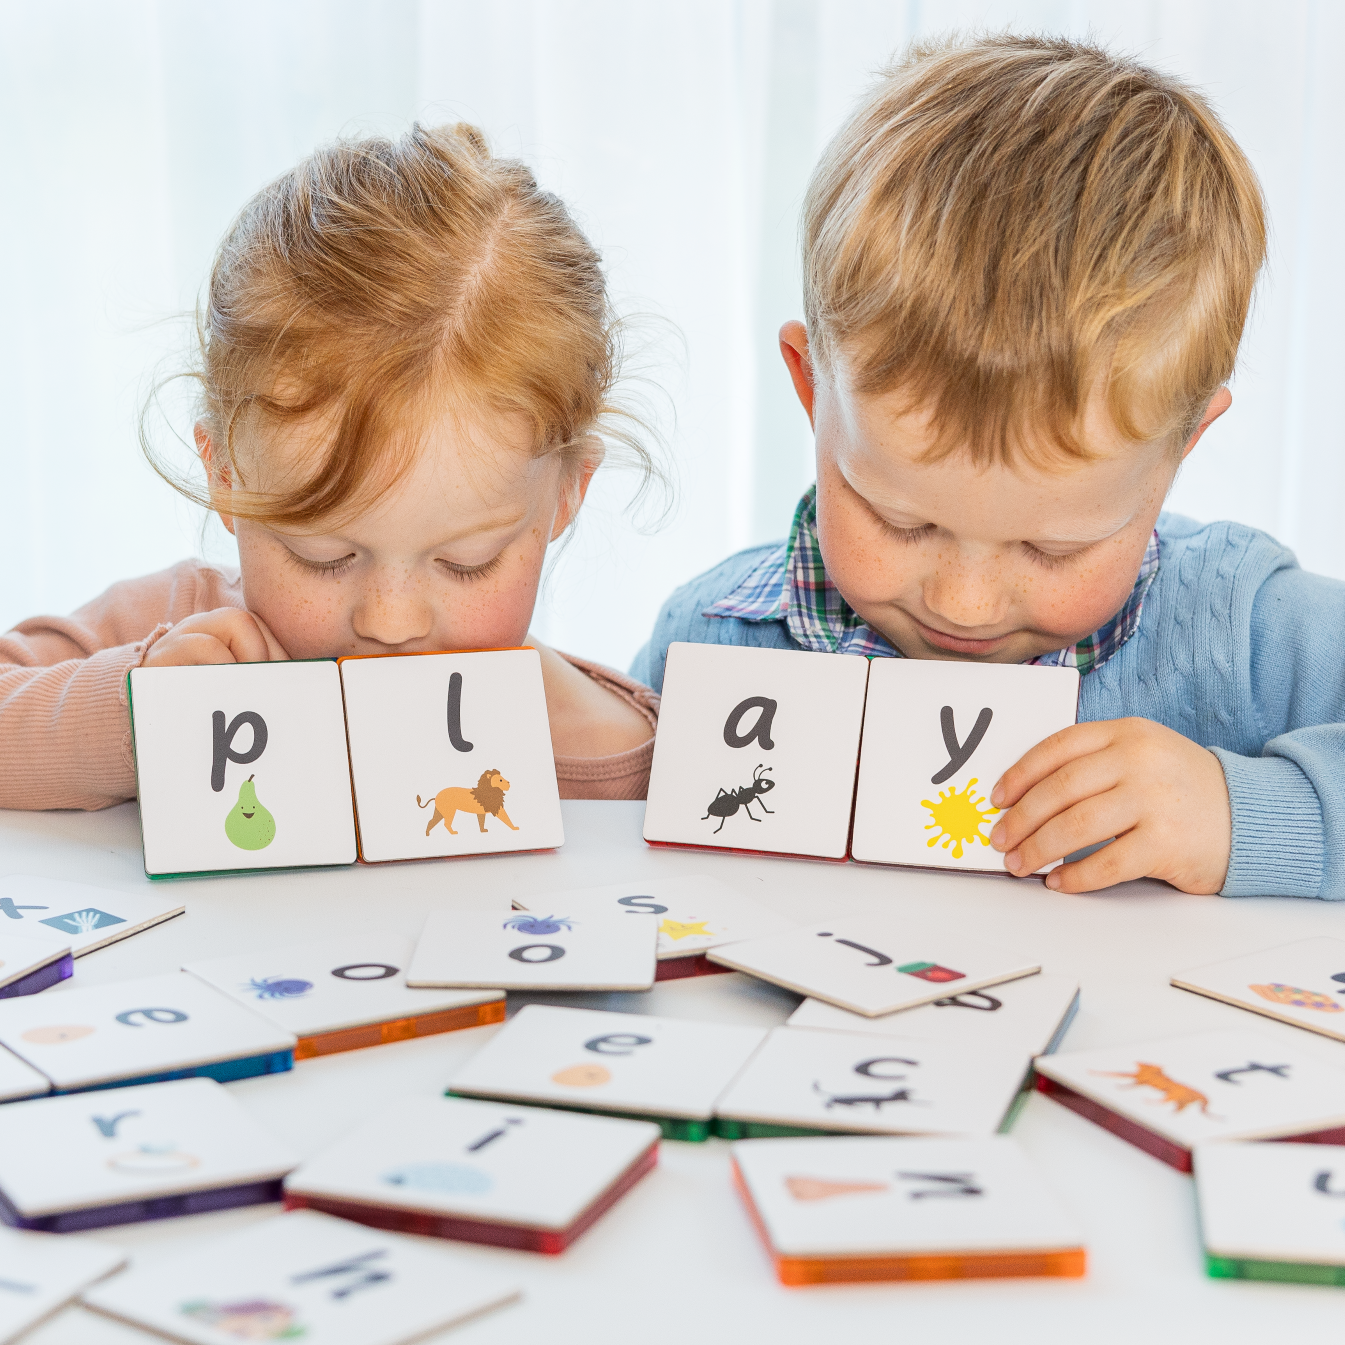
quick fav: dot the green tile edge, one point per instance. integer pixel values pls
(673, 1127)
(759, 1130)
(1285, 1272)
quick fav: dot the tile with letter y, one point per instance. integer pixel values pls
(756, 750)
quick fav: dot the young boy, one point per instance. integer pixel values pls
(1027, 265)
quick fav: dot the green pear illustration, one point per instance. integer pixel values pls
(249, 826)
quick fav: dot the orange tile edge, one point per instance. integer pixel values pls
(399, 1029)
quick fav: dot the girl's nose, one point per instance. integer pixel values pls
(393, 613)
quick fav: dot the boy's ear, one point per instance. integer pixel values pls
(794, 347)
(215, 474)
(1217, 405)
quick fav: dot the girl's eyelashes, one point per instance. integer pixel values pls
(470, 572)
(328, 568)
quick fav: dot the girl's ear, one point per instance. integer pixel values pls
(216, 473)
(573, 492)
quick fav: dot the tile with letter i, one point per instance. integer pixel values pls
(479, 1172)
(241, 766)
(665, 1070)
(305, 1276)
(451, 754)
(153, 1152)
(1167, 1096)
(40, 1274)
(756, 750)
(1273, 1211)
(30, 965)
(78, 916)
(848, 1209)
(346, 994)
(937, 737)
(172, 1026)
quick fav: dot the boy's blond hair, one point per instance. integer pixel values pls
(1008, 224)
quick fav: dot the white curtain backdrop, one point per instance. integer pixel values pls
(682, 134)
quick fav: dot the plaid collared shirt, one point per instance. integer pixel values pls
(790, 584)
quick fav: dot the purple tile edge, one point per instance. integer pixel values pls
(41, 978)
(139, 1211)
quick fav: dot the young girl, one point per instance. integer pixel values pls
(407, 359)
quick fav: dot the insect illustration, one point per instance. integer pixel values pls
(277, 987)
(1152, 1076)
(538, 924)
(875, 1100)
(726, 803)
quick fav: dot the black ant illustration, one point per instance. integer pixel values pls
(875, 1100)
(725, 804)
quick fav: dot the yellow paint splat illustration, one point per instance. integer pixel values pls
(678, 929)
(958, 816)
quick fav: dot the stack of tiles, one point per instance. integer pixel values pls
(346, 994)
(832, 1210)
(1168, 1096)
(40, 1274)
(621, 1064)
(480, 1172)
(153, 1152)
(77, 916)
(30, 965)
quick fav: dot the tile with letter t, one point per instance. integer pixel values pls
(79, 916)
(451, 754)
(756, 750)
(241, 766)
(30, 965)
(304, 1276)
(937, 737)
(40, 1274)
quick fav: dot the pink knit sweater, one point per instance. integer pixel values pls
(65, 730)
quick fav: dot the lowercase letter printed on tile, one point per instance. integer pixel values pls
(40, 1274)
(522, 1177)
(137, 1031)
(325, 993)
(451, 754)
(28, 965)
(1167, 1096)
(241, 766)
(305, 1276)
(79, 916)
(1302, 983)
(852, 1208)
(937, 737)
(19, 1079)
(150, 1152)
(756, 750)
(526, 951)
(870, 967)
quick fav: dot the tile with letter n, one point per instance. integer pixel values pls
(1273, 1211)
(451, 754)
(79, 916)
(40, 1274)
(937, 737)
(305, 1276)
(756, 750)
(30, 965)
(864, 1208)
(171, 1026)
(153, 1152)
(241, 766)
(666, 1070)
(521, 1177)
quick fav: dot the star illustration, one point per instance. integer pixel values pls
(676, 929)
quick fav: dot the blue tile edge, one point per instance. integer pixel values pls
(41, 978)
(226, 1071)
(138, 1211)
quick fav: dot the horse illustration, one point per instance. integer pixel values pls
(486, 798)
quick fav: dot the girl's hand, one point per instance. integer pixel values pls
(1160, 795)
(226, 635)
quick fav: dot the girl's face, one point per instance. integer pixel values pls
(449, 558)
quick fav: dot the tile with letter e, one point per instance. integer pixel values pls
(451, 754)
(152, 1152)
(937, 737)
(871, 967)
(30, 965)
(808, 1081)
(40, 1274)
(19, 1079)
(346, 993)
(843, 1209)
(1167, 1096)
(171, 1026)
(519, 1177)
(521, 950)
(304, 1276)
(756, 750)
(79, 916)
(666, 1070)
(241, 766)
(1272, 1211)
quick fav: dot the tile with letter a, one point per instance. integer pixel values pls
(28, 965)
(304, 1276)
(1169, 1095)
(120, 1157)
(1273, 1211)
(79, 916)
(756, 750)
(19, 1079)
(838, 1209)
(937, 737)
(241, 766)
(451, 754)
(625, 1064)
(155, 1027)
(521, 1177)
(40, 1274)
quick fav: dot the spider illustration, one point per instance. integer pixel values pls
(538, 924)
(277, 987)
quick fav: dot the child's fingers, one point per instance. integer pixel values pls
(1047, 757)
(1097, 818)
(246, 638)
(1075, 781)
(1118, 862)
(274, 651)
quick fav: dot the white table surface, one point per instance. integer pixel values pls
(676, 1259)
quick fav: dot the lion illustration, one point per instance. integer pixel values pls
(487, 797)
(1152, 1076)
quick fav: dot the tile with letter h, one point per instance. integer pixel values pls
(756, 750)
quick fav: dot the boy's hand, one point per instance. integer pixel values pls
(226, 635)
(1162, 796)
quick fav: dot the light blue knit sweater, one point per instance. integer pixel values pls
(1238, 649)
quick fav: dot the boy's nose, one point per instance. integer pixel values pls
(968, 595)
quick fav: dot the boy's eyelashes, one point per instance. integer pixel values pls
(904, 534)
(1049, 559)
